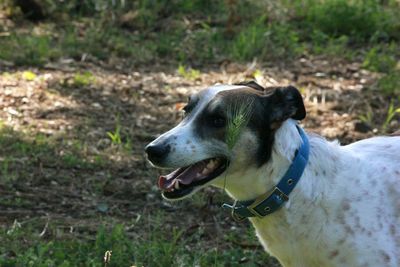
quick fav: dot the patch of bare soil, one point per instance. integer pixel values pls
(86, 176)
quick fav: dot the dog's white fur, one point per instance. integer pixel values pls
(186, 148)
(345, 210)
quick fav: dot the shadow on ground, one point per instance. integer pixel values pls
(72, 144)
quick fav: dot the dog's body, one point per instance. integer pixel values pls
(344, 211)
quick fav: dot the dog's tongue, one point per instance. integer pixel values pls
(183, 175)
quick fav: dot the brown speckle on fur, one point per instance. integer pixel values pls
(392, 229)
(385, 256)
(340, 218)
(334, 254)
(348, 229)
(345, 205)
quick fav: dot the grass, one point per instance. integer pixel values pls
(390, 83)
(116, 138)
(384, 59)
(391, 113)
(15, 146)
(188, 73)
(369, 117)
(83, 79)
(158, 30)
(239, 115)
(157, 246)
(5, 171)
(26, 151)
(250, 42)
(34, 50)
(350, 30)
(184, 33)
(381, 58)
(359, 19)
(272, 41)
(150, 239)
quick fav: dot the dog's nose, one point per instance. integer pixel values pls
(156, 153)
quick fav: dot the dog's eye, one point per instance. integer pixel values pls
(218, 121)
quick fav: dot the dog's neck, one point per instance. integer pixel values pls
(278, 231)
(262, 179)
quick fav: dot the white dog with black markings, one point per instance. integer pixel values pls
(330, 206)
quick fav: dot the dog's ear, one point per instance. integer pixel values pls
(251, 84)
(285, 103)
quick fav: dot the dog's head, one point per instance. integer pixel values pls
(226, 128)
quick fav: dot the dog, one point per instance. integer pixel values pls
(312, 202)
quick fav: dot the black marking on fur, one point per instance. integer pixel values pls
(270, 107)
(251, 84)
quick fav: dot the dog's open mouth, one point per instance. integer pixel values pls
(183, 181)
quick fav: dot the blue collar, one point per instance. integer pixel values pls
(272, 201)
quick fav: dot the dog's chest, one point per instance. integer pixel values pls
(297, 243)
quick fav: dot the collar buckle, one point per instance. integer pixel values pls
(261, 202)
(237, 217)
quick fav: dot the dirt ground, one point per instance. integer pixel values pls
(87, 176)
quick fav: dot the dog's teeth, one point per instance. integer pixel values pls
(210, 165)
(176, 185)
(205, 171)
